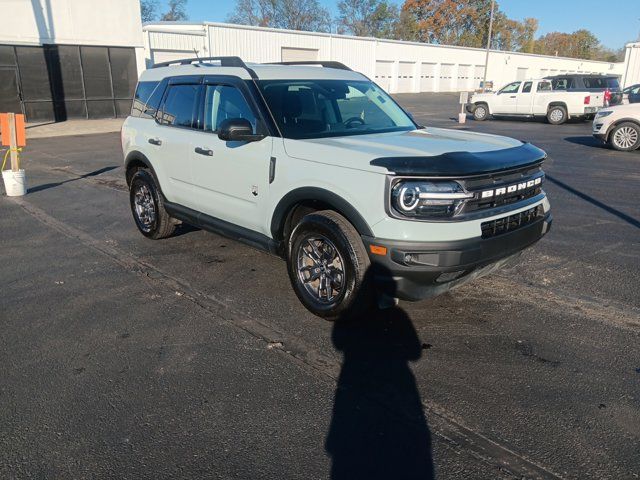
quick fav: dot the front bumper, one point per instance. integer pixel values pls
(419, 270)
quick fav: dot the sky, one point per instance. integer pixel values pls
(614, 22)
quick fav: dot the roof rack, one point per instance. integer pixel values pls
(322, 63)
(224, 62)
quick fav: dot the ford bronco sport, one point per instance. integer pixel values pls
(317, 164)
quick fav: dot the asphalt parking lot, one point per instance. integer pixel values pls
(191, 357)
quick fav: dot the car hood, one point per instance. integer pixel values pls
(428, 151)
(626, 109)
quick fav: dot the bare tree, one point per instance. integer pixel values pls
(306, 15)
(177, 11)
(259, 13)
(149, 10)
(368, 18)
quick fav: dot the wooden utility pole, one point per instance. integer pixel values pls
(486, 61)
(13, 141)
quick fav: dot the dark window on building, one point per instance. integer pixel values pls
(97, 77)
(123, 71)
(56, 82)
(34, 74)
(179, 106)
(7, 57)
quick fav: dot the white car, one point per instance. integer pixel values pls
(535, 98)
(619, 126)
(320, 166)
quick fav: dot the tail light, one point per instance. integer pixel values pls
(587, 100)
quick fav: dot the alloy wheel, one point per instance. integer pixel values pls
(625, 137)
(320, 268)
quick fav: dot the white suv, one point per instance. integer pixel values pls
(317, 164)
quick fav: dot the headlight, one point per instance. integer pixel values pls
(428, 199)
(604, 113)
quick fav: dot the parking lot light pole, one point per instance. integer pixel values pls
(486, 61)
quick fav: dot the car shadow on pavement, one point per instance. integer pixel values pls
(378, 429)
(587, 141)
(613, 211)
(95, 173)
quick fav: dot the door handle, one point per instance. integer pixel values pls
(204, 151)
(155, 141)
(512, 96)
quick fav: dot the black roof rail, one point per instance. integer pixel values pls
(224, 62)
(322, 63)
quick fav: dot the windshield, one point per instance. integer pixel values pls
(331, 108)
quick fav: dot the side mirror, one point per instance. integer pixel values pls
(237, 130)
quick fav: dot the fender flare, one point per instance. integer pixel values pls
(335, 201)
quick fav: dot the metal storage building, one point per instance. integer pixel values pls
(394, 65)
(64, 59)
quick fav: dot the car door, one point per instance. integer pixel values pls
(231, 177)
(525, 99)
(507, 99)
(171, 140)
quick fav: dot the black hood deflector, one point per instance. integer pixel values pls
(462, 164)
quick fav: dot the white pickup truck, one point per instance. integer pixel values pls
(535, 98)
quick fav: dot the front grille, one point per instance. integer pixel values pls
(503, 225)
(506, 180)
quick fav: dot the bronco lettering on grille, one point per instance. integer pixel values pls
(516, 187)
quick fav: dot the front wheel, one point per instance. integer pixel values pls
(481, 112)
(147, 207)
(327, 264)
(625, 137)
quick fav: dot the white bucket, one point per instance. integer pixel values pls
(15, 183)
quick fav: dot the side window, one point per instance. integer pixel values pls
(511, 88)
(527, 87)
(544, 87)
(560, 83)
(147, 99)
(179, 106)
(222, 102)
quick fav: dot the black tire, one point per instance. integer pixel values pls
(152, 219)
(557, 115)
(327, 230)
(481, 112)
(625, 137)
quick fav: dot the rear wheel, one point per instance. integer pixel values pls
(327, 264)
(625, 137)
(481, 112)
(147, 207)
(557, 115)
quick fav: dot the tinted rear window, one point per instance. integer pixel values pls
(601, 82)
(147, 99)
(180, 106)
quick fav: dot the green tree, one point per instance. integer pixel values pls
(177, 11)
(368, 18)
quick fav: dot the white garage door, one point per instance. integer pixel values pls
(428, 77)
(478, 76)
(384, 71)
(446, 77)
(464, 77)
(290, 54)
(405, 77)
